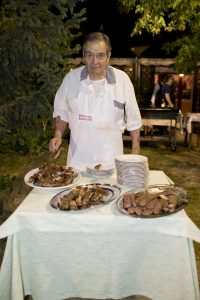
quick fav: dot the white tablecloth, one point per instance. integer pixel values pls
(190, 118)
(98, 253)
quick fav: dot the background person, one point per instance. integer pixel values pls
(156, 98)
(168, 91)
(97, 102)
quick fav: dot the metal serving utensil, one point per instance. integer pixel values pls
(55, 157)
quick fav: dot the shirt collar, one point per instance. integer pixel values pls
(110, 76)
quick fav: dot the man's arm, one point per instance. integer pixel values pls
(56, 141)
(168, 98)
(135, 135)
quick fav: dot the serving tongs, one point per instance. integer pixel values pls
(57, 154)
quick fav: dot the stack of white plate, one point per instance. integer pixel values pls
(132, 170)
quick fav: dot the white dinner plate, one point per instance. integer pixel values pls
(104, 170)
(131, 158)
(76, 180)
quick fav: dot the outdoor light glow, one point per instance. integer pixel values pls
(181, 75)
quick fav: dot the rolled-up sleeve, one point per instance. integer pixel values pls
(60, 101)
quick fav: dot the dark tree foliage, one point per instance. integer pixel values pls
(36, 39)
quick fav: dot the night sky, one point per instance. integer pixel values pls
(103, 15)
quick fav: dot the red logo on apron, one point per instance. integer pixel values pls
(85, 118)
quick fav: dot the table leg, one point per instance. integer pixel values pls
(186, 138)
(172, 136)
(198, 139)
(190, 140)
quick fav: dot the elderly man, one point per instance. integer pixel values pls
(98, 103)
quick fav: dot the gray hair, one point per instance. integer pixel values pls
(97, 36)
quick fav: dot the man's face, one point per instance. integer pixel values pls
(96, 58)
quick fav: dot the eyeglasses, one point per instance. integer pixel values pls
(99, 56)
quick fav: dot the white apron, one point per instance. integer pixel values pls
(94, 121)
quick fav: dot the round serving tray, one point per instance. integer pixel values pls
(184, 199)
(113, 192)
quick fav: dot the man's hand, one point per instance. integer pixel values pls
(56, 141)
(54, 144)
